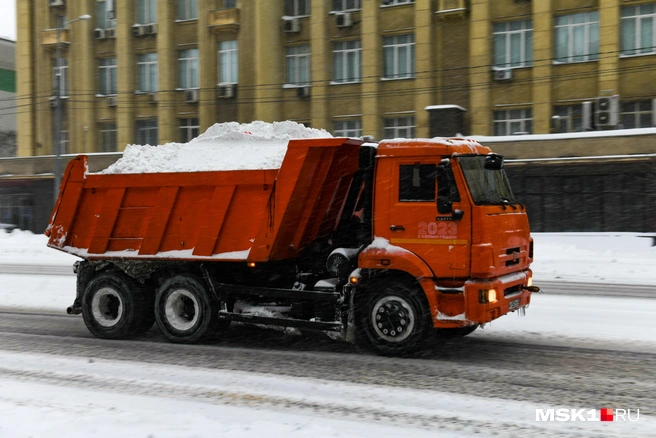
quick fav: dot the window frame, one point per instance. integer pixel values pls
(146, 12)
(188, 69)
(63, 80)
(147, 65)
(589, 26)
(526, 44)
(388, 3)
(188, 128)
(343, 5)
(392, 46)
(102, 22)
(348, 56)
(393, 125)
(107, 77)
(293, 58)
(107, 131)
(341, 128)
(637, 18)
(637, 114)
(229, 56)
(525, 120)
(146, 127)
(186, 10)
(297, 8)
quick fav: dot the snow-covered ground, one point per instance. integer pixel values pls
(188, 402)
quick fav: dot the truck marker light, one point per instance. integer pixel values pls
(487, 296)
(529, 282)
(385, 262)
(353, 280)
(251, 264)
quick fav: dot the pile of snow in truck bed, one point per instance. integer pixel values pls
(224, 146)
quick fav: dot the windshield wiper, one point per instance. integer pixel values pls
(506, 201)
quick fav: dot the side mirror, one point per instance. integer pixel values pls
(493, 162)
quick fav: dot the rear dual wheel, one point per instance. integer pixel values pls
(115, 306)
(186, 311)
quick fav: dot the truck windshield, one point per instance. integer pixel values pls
(487, 187)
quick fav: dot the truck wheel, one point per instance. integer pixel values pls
(392, 318)
(185, 310)
(452, 333)
(115, 306)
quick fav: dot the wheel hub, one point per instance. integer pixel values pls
(107, 307)
(393, 319)
(181, 308)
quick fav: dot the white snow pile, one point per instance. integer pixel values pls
(224, 146)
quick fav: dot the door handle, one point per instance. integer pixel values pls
(397, 228)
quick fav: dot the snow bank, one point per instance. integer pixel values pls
(224, 146)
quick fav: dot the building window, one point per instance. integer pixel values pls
(228, 62)
(187, 9)
(513, 122)
(348, 128)
(638, 31)
(400, 127)
(189, 129)
(227, 4)
(107, 76)
(396, 2)
(63, 142)
(513, 44)
(568, 118)
(17, 209)
(63, 78)
(347, 62)
(103, 20)
(577, 37)
(637, 114)
(298, 65)
(399, 56)
(147, 132)
(295, 8)
(346, 5)
(147, 72)
(61, 21)
(188, 69)
(146, 11)
(107, 138)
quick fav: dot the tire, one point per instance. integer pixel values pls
(115, 306)
(185, 310)
(452, 333)
(386, 307)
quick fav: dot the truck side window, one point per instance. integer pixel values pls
(417, 182)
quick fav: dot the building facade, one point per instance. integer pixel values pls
(155, 71)
(7, 98)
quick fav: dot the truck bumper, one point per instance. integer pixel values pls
(480, 301)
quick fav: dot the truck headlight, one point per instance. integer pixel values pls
(529, 282)
(487, 296)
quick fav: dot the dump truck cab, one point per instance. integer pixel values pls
(445, 214)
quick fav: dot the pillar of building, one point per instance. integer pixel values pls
(167, 63)
(83, 71)
(269, 61)
(480, 73)
(609, 47)
(371, 69)
(25, 101)
(320, 72)
(43, 89)
(424, 67)
(126, 74)
(207, 60)
(542, 65)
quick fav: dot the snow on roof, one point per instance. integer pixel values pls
(568, 135)
(224, 146)
(439, 107)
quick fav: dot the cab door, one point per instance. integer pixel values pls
(413, 222)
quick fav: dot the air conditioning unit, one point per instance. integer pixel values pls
(57, 2)
(110, 33)
(226, 91)
(344, 20)
(112, 101)
(559, 124)
(138, 30)
(191, 96)
(303, 92)
(151, 29)
(503, 75)
(292, 25)
(606, 112)
(99, 34)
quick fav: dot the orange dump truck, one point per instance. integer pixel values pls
(386, 244)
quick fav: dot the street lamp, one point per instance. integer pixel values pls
(58, 165)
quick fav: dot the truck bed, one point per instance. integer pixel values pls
(237, 215)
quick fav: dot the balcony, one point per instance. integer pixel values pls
(224, 20)
(49, 37)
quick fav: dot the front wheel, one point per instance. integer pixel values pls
(393, 318)
(185, 310)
